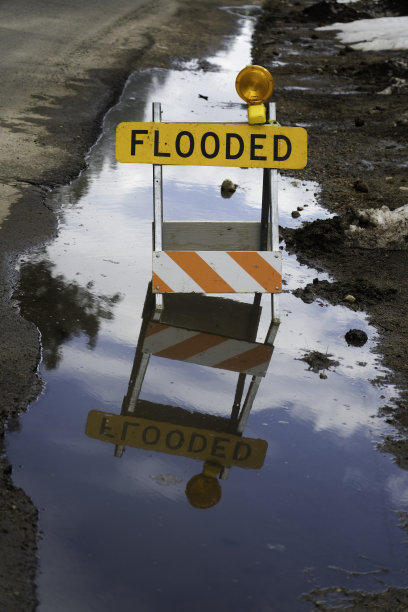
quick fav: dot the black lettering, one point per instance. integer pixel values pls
(216, 145)
(241, 456)
(156, 432)
(125, 427)
(179, 442)
(276, 155)
(134, 142)
(202, 443)
(104, 428)
(255, 146)
(178, 141)
(157, 153)
(217, 447)
(229, 137)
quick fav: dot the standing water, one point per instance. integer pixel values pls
(118, 530)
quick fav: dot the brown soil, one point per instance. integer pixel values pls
(357, 153)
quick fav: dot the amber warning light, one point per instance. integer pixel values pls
(254, 84)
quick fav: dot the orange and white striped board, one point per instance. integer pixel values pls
(217, 272)
(207, 349)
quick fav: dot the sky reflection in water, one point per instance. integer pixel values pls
(119, 532)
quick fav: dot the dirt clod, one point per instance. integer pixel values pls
(228, 188)
(356, 337)
(360, 186)
(319, 361)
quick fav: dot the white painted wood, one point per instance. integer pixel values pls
(274, 228)
(157, 210)
(179, 281)
(228, 269)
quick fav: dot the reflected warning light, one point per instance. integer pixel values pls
(203, 490)
(254, 84)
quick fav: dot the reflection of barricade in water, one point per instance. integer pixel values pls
(203, 330)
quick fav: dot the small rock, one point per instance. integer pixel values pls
(356, 337)
(228, 188)
(403, 188)
(299, 208)
(358, 121)
(350, 299)
(360, 186)
(322, 375)
(295, 214)
(389, 179)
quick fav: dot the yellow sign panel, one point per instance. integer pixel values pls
(202, 444)
(216, 144)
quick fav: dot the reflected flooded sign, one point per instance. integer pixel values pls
(174, 439)
(206, 331)
(202, 144)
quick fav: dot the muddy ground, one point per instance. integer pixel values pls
(355, 107)
(357, 152)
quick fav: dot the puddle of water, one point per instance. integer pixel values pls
(118, 531)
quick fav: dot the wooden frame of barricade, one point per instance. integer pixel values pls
(195, 259)
(247, 251)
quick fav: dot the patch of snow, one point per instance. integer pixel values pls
(373, 34)
(380, 228)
